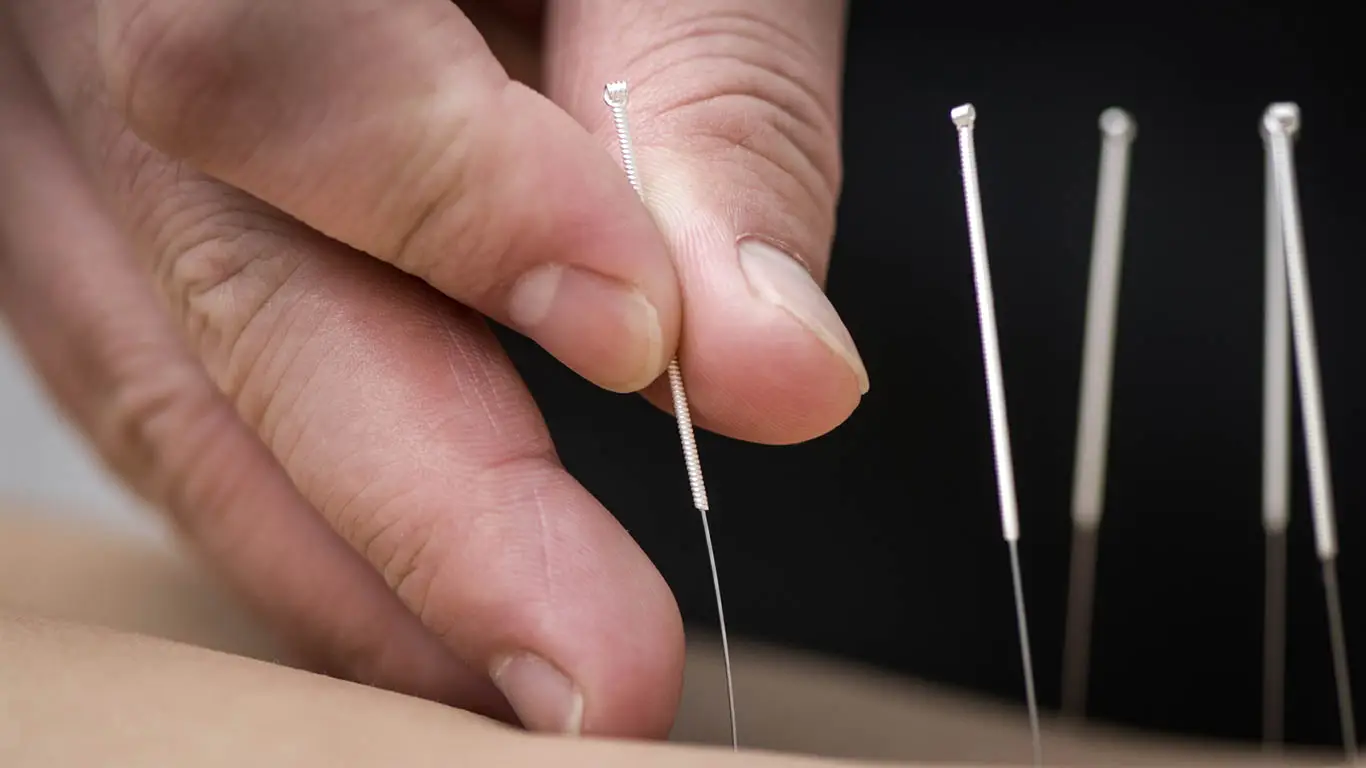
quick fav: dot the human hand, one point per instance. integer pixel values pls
(326, 196)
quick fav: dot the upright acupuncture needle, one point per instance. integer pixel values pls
(1275, 461)
(1093, 416)
(964, 117)
(1282, 122)
(616, 95)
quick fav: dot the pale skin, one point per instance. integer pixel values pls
(250, 249)
(250, 246)
(86, 679)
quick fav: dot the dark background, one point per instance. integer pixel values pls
(881, 542)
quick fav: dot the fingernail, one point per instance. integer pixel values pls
(601, 327)
(782, 280)
(543, 698)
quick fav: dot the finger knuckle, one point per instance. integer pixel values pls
(426, 552)
(166, 64)
(224, 265)
(219, 270)
(219, 262)
(444, 222)
(742, 91)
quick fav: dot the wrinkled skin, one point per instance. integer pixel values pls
(250, 247)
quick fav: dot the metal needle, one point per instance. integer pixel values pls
(1275, 461)
(1282, 121)
(964, 117)
(1088, 476)
(616, 95)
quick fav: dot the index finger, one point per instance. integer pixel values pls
(391, 127)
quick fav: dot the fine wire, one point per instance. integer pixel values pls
(1118, 131)
(1282, 121)
(964, 117)
(616, 95)
(1276, 405)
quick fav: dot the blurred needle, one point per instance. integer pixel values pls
(1282, 121)
(1275, 462)
(1088, 475)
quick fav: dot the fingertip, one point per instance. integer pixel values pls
(781, 280)
(570, 619)
(623, 683)
(607, 304)
(622, 637)
(606, 330)
(765, 355)
(639, 677)
(777, 386)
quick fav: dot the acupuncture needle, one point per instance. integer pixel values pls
(1282, 122)
(616, 95)
(1275, 461)
(1088, 476)
(965, 117)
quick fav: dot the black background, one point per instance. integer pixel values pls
(881, 541)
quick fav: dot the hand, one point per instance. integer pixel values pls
(326, 196)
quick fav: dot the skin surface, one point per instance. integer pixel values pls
(141, 701)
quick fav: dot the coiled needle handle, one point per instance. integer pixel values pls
(616, 95)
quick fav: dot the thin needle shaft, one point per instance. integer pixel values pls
(1273, 645)
(964, 117)
(1275, 462)
(616, 95)
(1282, 122)
(1093, 417)
(1337, 639)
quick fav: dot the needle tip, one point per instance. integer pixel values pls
(964, 115)
(1281, 118)
(615, 94)
(1118, 123)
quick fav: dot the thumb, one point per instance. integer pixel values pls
(734, 113)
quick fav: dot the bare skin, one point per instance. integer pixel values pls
(251, 249)
(250, 246)
(68, 654)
